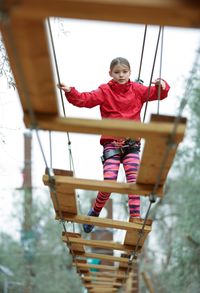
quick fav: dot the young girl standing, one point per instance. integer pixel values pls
(120, 98)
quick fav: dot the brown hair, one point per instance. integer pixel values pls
(119, 60)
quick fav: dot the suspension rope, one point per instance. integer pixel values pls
(34, 127)
(142, 53)
(71, 160)
(160, 69)
(151, 76)
(61, 92)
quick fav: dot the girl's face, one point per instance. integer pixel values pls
(120, 73)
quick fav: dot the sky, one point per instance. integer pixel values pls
(84, 50)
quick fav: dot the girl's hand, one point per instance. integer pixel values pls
(64, 87)
(159, 81)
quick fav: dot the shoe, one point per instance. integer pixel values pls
(88, 227)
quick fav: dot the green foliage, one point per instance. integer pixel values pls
(50, 267)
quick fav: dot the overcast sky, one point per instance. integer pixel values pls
(84, 50)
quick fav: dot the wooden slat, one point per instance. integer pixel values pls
(106, 279)
(99, 267)
(118, 275)
(104, 222)
(26, 44)
(103, 285)
(110, 258)
(63, 197)
(132, 238)
(83, 270)
(168, 12)
(113, 127)
(157, 155)
(101, 244)
(105, 290)
(71, 183)
(77, 247)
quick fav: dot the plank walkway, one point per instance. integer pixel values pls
(22, 27)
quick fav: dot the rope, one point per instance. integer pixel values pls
(160, 69)
(71, 160)
(34, 126)
(141, 58)
(151, 77)
(61, 92)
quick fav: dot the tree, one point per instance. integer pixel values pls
(174, 264)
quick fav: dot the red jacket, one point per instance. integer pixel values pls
(121, 101)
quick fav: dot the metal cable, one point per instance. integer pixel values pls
(160, 69)
(142, 53)
(151, 77)
(34, 126)
(61, 92)
(71, 160)
(50, 149)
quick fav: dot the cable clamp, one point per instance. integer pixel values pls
(152, 198)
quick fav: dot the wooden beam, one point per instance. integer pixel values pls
(104, 222)
(101, 244)
(27, 48)
(113, 127)
(103, 285)
(132, 238)
(69, 183)
(117, 274)
(168, 12)
(158, 154)
(99, 267)
(106, 279)
(110, 258)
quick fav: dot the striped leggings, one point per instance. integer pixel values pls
(111, 166)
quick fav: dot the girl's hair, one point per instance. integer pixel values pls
(119, 60)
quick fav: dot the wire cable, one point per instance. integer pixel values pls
(151, 76)
(160, 69)
(142, 53)
(71, 160)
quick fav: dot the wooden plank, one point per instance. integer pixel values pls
(113, 127)
(110, 258)
(62, 197)
(103, 285)
(101, 244)
(104, 222)
(77, 247)
(94, 278)
(82, 270)
(168, 12)
(105, 290)
(70, 183)
(27, 48)
(132, 238)
(117, 274)
(99, 267)
(157, 155)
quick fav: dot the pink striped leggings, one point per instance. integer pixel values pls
(130, 163)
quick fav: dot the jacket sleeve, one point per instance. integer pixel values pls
(85, 99)
(144, 91)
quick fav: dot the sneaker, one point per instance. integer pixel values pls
(88, 227)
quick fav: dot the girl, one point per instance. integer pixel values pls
(120, 98)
